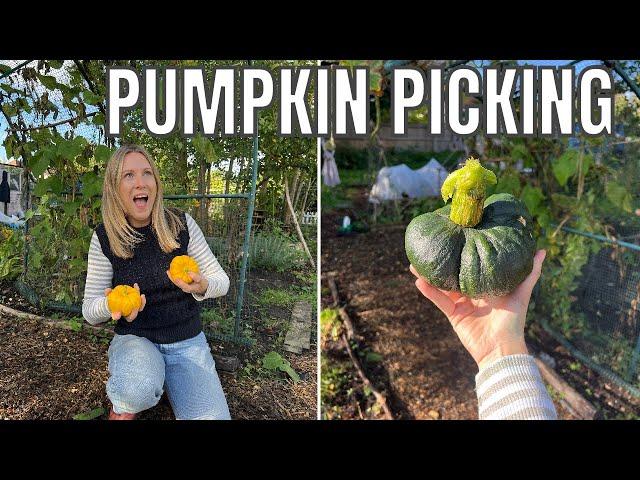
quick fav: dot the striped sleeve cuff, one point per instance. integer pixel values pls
(511, 388)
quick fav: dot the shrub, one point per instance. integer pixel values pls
(271, 252)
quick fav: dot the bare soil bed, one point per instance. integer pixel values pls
(47, 372)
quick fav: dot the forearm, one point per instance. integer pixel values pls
(198, 249)
(511, 388)
(95, 310)
(99, 277)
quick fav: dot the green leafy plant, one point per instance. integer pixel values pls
(11, 253)
(330, 325)
(91, 415)
(273, 361)
(274, 253)
(277, 297)
(222, 324)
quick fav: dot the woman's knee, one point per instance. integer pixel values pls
(133, 395)
(137, 374)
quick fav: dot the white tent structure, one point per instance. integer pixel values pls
(399, 181)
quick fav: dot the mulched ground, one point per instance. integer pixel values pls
(47, 372)
(425, 372)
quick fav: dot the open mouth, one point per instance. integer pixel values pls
(141, 200)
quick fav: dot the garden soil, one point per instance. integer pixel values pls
(47, 372)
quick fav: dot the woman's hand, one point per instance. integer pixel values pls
(134, 313)
(488, 328)
(198, 286)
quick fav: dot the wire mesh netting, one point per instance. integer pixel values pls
(608, 298)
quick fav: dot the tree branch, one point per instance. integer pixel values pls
(54, 124)
(92, 87)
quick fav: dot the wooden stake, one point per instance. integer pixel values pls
(295, 222)
(571, 399)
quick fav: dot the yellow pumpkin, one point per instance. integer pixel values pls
(124, 299)
(182, 264)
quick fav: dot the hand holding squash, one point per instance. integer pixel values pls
(489, 328)
(185, 274)
(125, 301)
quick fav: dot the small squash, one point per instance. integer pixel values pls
(124, 299)
(474, 246)
(182, 264)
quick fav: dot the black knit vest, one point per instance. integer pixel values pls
(170, 314)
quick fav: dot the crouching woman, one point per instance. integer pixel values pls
(160, 345)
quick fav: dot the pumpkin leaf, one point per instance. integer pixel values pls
(532, 196)
(40, 161)
(619, 196)
(273, 361)
(565, 166)
(509, 182)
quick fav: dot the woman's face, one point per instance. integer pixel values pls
(137, 189)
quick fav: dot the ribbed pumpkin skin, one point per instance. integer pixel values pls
(124, 299)
(182, 264)
(490, 259)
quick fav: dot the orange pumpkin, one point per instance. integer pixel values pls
(124, 299)
(182, 264)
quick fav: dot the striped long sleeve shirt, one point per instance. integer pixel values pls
(511, 388)
(100, 274)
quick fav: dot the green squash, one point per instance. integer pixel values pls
(490, 257)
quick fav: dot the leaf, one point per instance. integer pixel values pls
(272, 361)
(102, 154)
(44, 185)
(509, 182)
(291, 372)
(40, 162)
(91, 98)
(10, 89)
(36, 259)
(619, 196)
(4, 69)
(564, 201)
(98, 119)
(56, 64)
(70, 208)
(565, 166)
(70, 149)
(373, 357)
(531, 196)
(95, 413)
(9, 110)
(48, 81)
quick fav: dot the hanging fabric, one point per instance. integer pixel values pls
(330, 174)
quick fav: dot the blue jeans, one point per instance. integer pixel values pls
(141, 369)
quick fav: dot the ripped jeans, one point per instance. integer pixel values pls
(141, 369)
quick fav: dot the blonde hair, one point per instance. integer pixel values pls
(123, 238)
